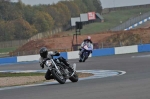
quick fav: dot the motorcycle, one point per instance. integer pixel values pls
(84, 55)
(57, 70)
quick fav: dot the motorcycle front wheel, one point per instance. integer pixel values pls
(60, 78)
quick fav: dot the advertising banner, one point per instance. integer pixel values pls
(91, 16)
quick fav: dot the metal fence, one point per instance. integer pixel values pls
(99, 45)
(14, 43)
(4, 54)
(34, 52)
(131, 22)
(18, 43)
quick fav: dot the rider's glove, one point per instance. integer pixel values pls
(42, 65)
(80, 49)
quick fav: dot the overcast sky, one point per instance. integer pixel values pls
(36, 2)
(105, 3)
(121, 3)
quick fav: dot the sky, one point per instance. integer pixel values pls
(121, 3)
(105, 3)
(36, 2)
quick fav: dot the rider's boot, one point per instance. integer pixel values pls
(81, 56)
(80, 60)
(48, 75)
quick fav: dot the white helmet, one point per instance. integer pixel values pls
(89, 37)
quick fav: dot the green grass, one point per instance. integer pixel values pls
(112, 20)
(10, 49)
(20, 74)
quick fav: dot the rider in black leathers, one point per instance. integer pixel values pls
(45, 55)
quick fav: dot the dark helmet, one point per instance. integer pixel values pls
(43, 52)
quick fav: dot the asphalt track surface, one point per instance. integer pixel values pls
(135, 84)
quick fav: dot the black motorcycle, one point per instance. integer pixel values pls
(57, 70)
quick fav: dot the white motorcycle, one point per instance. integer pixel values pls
(84, 55)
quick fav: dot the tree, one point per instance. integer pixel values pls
(2, 30)
(43, 21)
(98, 6)
(73, 8)
(29, 13)
(89, 4)
(64, 13)
(81, 5)
(22, 29)
(9, 11)
(52, 10)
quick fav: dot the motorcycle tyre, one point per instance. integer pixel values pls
(84, 60)
(61, 81)
(74, 78)
(80, 60)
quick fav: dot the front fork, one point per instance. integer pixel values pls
(56, 67)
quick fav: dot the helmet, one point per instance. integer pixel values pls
(89, 37)
(43, 52)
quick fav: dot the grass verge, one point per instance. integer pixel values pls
(10, 49)
(20, 74)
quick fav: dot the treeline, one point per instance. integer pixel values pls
(20, 21)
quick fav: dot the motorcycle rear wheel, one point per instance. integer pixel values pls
(74, 78)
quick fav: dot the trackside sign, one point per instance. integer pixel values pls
(91, 16)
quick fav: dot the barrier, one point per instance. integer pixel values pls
(74, 54)
(103, 52)
(144, 48)
(8, 60)
(137, 24)
(126, 49)
(28, 58)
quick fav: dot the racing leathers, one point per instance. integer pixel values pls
(89, 45)
(42, 61)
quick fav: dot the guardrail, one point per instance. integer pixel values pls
(132, 22)
(4, 54)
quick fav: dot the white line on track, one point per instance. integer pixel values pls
(141, 56)
(97, 74)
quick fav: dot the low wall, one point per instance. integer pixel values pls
(8, 60)
(75, 54)
(126, 49)
(103, 52)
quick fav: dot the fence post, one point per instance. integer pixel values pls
(18, 54)
(141, 41)
(102, 44)
(120, 43)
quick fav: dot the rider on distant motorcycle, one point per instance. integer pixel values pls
(89, 44)
(45, 55)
